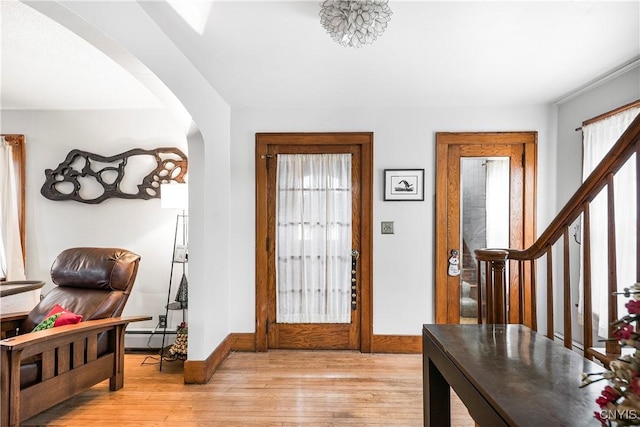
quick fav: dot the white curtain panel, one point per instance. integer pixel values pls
(598, 138)
(11, 260)
(313, 238)
(497, 199)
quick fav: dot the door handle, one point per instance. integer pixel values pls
(354, 279)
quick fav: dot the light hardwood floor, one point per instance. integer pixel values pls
(277, 388)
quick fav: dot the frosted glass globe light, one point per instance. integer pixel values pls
(355, 23)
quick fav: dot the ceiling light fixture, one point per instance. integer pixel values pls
(355, 22)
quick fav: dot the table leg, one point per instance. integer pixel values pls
(437, 396)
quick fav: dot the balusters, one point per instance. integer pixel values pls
(489, 287)
(521, 287)
(566, 291)
(638, 211)
(612, 346)
(549, 292)
(586, 281)
(521, 292)
(479, 290)
(534, 295)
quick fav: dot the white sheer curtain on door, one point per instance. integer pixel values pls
(497, 199)
(313, 238)
(598, 138)
(11, 260)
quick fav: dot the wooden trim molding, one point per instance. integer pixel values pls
(400, 344)
(201, 371)
(613, 112)
(243, 341)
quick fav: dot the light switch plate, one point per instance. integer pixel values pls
(387, 227)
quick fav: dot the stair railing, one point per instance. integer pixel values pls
(514, 301)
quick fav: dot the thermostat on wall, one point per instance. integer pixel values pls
(387, 227)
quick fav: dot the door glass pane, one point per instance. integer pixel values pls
(313, 238)
(484, 219)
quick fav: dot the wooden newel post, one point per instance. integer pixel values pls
(496, 283)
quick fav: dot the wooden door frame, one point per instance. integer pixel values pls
(445, 140)
(365, 141)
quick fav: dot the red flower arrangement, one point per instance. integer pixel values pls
(620, 400)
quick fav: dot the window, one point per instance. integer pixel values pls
(599, 135)
(12, 207)
(313, 240)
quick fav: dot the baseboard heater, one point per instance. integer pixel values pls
(578, 347)
(139, 339)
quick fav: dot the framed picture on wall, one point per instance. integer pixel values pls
(404, 184)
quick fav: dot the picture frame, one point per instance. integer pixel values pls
(404, 185)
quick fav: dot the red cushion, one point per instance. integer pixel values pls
(66, 318)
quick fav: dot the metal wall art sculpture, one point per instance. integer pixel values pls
(91, 178)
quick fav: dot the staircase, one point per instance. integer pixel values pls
(516, 302)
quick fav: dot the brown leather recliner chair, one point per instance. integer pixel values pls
(41, 369)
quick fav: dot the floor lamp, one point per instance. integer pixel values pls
(176, 196)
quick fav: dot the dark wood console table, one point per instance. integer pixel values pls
(506, 375)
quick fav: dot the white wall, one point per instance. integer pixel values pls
(132, 29)
(138, 225)
(403, 138)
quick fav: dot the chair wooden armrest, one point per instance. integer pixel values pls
(70, 363)
(52, 336)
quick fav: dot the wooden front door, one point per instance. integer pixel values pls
(271, 333)
(456, 290)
